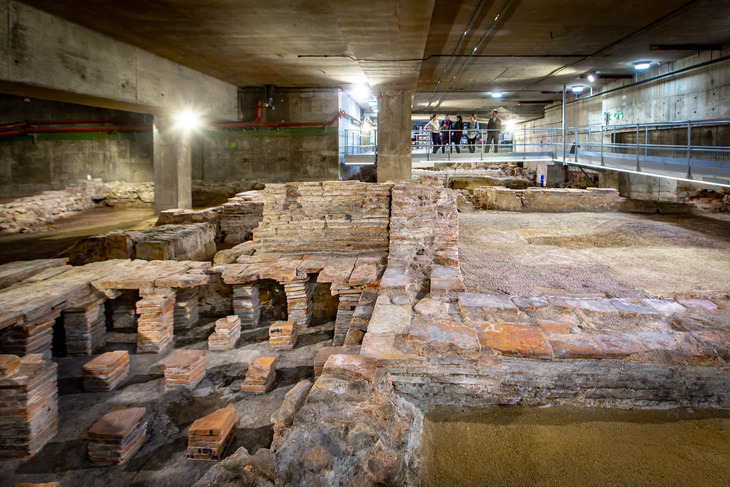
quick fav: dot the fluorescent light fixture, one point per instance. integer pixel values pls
(496, 94)
(187, 121)
(361, 92)
(591, 77)
(642, 65)
(577, 89)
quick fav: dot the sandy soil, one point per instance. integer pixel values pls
(606, 254)
(574, 447)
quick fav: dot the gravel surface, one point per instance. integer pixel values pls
(604, 254)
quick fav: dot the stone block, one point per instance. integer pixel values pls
(350, 367)
(618, 345)
(574, 347)
(514, 339)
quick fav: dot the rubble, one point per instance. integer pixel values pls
(29, 406)
(117, 436)
(210, 436)
(185, 370)
(106, 372)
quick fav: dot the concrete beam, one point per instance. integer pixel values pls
(44, 56)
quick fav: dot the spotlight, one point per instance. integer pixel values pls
(496, 94)
(577, 89)
(642, 65)
(361, 92)
(188, 121)
(591, 77)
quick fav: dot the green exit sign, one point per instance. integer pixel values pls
(615, 116)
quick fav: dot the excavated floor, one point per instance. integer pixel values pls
(161, 461)
(605, 254)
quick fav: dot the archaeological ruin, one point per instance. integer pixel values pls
(234, 252)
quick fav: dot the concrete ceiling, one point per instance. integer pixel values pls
(453, 54)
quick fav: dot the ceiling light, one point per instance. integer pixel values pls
(591, 77)
(361, 92)
(577, 89)
(496, 94)
(187, 121)
(642, 65)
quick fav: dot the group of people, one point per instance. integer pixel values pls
(447, 132)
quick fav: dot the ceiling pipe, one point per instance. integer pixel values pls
(246, 125)
(13, 125)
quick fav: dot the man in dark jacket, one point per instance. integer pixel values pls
(494, 127)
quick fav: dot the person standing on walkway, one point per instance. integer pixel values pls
(435, 129)
(446, 133)
(472, 132)
(457, 130)
(494, 127)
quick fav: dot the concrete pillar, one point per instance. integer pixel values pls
(173, 165)
(394, 135)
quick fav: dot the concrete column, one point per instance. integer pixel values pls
(394, 135)
(173, 165)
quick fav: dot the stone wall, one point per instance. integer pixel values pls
(34, 213)
(287, 153)
(30, 164)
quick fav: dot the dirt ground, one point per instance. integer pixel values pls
(563, 446)
(599, 254)
(161, 461)
(64, 232)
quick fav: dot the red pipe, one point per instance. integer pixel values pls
(238, 125)
(12, 132)
(13, 125)
(90, 129)
(72, 122)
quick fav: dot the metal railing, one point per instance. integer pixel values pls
(673, 149)
(691, 149)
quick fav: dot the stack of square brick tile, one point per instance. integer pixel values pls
(155, 323)
(124, 315)
(30, 338)
(299, 294)
(28, 404)
(106, 372)
(260, 375)
(226, 335)
(345, 310)
(85, 328)
(117, 436)
(246, 305)
(210, 435)
(321, 358)
(282, 335)
(185, 370)
(186, 307)
(240, 215)
(324, 216)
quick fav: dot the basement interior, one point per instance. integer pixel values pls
(374, 243)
